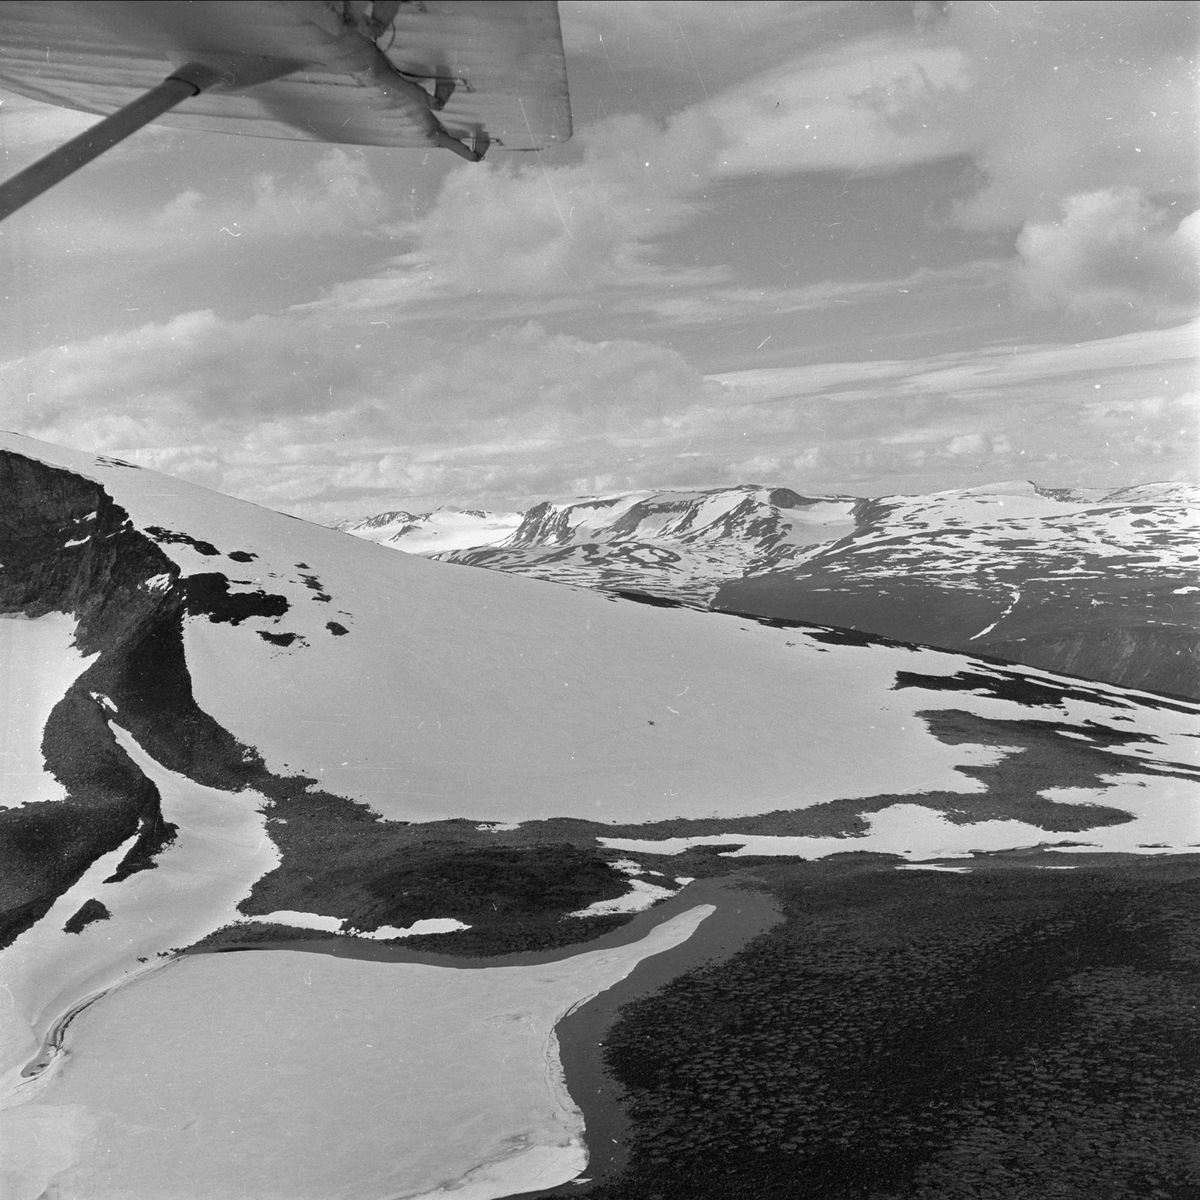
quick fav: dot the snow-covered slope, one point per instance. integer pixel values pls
(1100, 584)
(429, 692)
(676, 544)
(444, 529)
(239, 678)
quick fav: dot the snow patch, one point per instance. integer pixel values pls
(641, 895)
(300, 920)
(428, 925)
(307, 920)
(1165, 815)
(38, 664)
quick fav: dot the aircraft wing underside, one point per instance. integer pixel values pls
(383, 74)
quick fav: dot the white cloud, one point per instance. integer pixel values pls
(1049, 100)
(310, 413)
(1112, 249)
(1170, 352)
(703, 306)
(875, 105)
(533, 230)
(279, 408)
(338, 195)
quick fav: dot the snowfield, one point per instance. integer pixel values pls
(475, 694)
(215, 1078)
(38, 662)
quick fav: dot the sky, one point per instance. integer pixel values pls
(853, 248)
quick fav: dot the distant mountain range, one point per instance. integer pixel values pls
(1101, 584)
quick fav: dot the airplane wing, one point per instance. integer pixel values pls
(456, 74)
(503, 60)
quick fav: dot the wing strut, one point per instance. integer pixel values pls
(189, 80)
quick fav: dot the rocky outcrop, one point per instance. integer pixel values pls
(66, 547)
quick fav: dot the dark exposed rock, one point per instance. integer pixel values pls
(159, 534)
(645, 598)
(208, 595)
(68, 548)
(278, 639)
(90, 911)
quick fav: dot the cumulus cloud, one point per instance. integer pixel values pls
(1049, 101)
(337, 195)
(508, 229)
(1099, 413)
(1112, 248)
(278, 409)
(973, 445)
(316, 417)
(873, 106)
(1161, 427)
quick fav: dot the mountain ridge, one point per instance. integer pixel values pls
(1094, 582)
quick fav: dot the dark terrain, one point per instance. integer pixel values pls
(1128, 631)
(1014, 1032)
